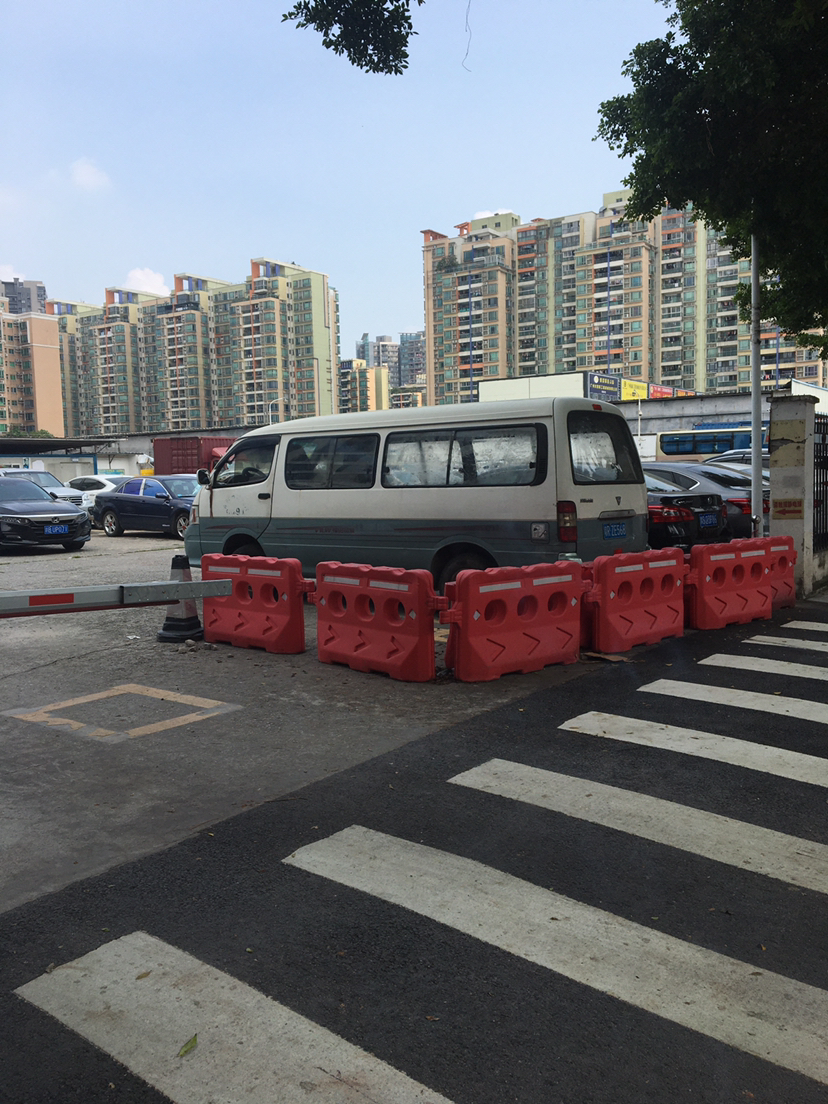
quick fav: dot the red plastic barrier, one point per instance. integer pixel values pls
(638, 598)
(265, 607)
(587, 611)
(509, 619)
(729, 583)
(782, 560)
(377, 619)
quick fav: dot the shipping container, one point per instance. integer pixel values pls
(176, 455)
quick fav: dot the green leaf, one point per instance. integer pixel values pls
(191, 1044)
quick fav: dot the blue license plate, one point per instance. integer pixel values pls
(614, 530)
(55, 530)
(706, 521)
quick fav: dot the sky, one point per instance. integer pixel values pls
(162, 136)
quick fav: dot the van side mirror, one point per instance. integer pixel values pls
(203, 477)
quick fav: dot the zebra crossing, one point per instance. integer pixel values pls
(140, 998)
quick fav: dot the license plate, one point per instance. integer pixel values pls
(613, 530)
(708, 520)
(54, 530)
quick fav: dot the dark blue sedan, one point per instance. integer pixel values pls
(156, 503)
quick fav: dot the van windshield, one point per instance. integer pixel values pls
(601, 448)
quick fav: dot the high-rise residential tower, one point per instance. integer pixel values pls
(30, 373)
(24, 296)
(651, 301)
(412, 359)
(72, 381)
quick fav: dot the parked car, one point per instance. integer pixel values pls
(48, 482)
(702, 478)
(158, 503)
(31, 515)
(738, 456)
(745, 469)
(679, 519)
(89, 485)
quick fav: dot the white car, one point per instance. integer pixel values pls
(90, 485)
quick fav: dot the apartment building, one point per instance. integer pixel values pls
(412, 359)
(109, 370)
(361, 387)
(615, 320)
(403, 398)
(212, 353)
(593, 291)
(383, 350)
(469, 283)
(30, 372)
(24, 296)
(175, 368)
(67, 314)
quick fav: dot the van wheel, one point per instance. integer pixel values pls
(249, 549)
(465, 561)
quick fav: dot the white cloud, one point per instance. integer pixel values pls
(86, 175)
(8, 272)
(144, 279)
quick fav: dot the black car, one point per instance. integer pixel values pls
(702, 478)
(679, 519)
(30, 515)
(158, 503)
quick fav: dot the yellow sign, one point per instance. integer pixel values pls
(633, 389)
(793, 508)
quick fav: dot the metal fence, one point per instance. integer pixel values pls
(820, 482)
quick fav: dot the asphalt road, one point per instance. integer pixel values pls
(605, 883)
(76, 804)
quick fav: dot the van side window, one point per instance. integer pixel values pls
(503, 457)
(249, 463)
(417, 459)
(308, 462)
(500, 456)
(320, 463)
(601, 448)
(355, 461)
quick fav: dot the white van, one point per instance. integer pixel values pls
(441, 487)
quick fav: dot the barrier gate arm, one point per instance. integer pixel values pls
(123, 596)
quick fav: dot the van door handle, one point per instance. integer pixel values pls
(264, 496)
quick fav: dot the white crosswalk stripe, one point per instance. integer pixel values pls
(747, 846)
(814, 626)
(142, 1000)
(777, 704)
(790, 642)
(706, 745)
(766, 666)
(765, 1014)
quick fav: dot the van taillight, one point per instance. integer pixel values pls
(567, 522)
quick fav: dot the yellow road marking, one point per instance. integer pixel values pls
(49, 715)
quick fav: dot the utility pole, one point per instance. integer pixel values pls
(756, 497)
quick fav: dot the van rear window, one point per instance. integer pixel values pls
(601, 448)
